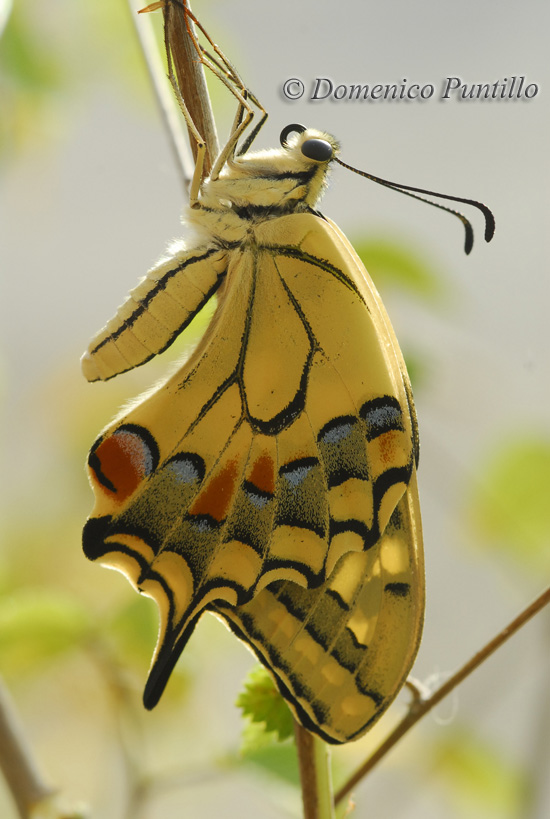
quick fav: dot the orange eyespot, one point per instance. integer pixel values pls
(121, 462)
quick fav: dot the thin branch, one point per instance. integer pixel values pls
(315, 779)
(168, 108)
(421, 705)
(26, 782)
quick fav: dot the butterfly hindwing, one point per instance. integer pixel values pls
(340, 652)
(271, 479)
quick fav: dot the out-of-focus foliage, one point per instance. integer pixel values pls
(26, 59)
(133, 631)
(510, 510)
(6, 7)
(29, 74)
(479, 778)
(398, 267)
(55, 807)
(41, 66)
(45, 72)
(274, 758)
(38, 625)
(395, 264)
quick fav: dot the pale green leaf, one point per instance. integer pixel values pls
(480, 780)
(392, 263)
(36, 626)
(510, 509)
(277, 759)
(133, 629)
(25, 59)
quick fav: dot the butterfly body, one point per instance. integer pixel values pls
(272, 478)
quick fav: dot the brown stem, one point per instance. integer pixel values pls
(17, 762)
(315, 779)
(421, 706)
(308, 774)
(191, 80)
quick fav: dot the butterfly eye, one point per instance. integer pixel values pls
(295, 128)
(318, 149)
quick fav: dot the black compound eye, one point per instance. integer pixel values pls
(318, 149)
(295, 128)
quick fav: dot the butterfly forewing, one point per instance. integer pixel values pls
(156, 311)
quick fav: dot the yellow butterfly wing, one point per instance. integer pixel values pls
(272, 480)
(156, 311)
(341, 651)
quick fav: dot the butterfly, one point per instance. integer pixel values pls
(271, 480)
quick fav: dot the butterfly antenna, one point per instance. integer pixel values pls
(407, 190)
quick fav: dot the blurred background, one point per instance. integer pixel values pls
(89, 199)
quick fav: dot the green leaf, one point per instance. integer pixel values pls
(277, 759)
(480, 780)
(36, 626)
(511, 508)
(262, 703)
(418, 370)
(133, 629)
(25, 58)
(394, 264)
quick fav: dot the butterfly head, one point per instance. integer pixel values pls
(309, 144)
(290, 178)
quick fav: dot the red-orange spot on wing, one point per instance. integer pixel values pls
(124, 460)
(216, 497)
(389, 447)
(263, 476)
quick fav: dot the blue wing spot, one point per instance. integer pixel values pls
(203, 523)
(296, 472)
(186, 468)
(336, 433)
(256, 496)
(298, 475)
(382, 415)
